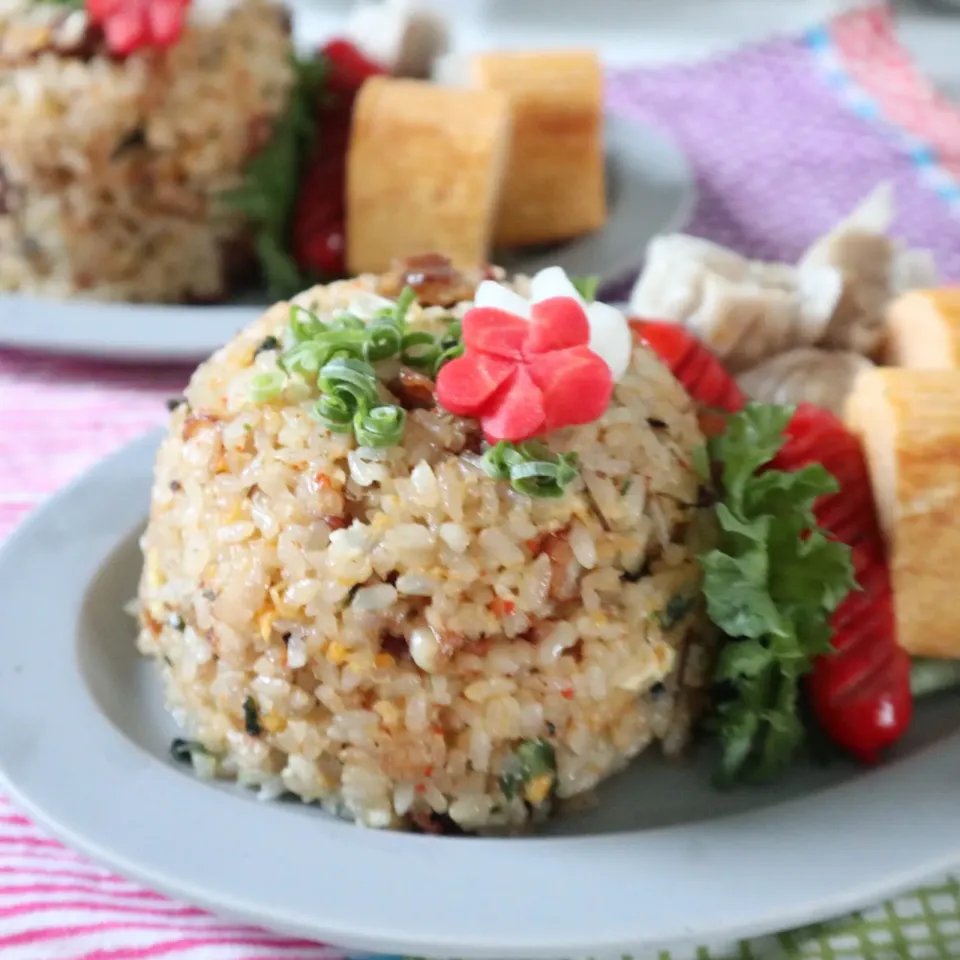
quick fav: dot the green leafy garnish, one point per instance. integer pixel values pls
(272, 180)
(531, 467)
(771, 585)
(586, 287)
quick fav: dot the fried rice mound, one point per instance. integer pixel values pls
(397, 636)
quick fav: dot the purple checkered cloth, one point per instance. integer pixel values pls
(783, 144)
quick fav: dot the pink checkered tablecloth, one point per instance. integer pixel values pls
(785, 137)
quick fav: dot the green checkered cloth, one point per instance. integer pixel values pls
(924, 925)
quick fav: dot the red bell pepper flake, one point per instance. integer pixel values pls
(521, 378)
(131, 25)
(500, 607)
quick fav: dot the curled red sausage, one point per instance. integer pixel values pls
(861, 693)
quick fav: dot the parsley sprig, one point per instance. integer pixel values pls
(771, 584)
(272, 180)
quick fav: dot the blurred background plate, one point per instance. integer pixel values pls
(651, 191)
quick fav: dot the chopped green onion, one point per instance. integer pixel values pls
(303, 358)
(405, 301)
(537, 479)
(677, 608)
(183, 750)
(349, 388)
(346, 321)
(354, 381)
(338, 358)
(419, 349)
(530, 772)
(451, 353)
(452, 336)
(334, 414)
(268, 343)
(383, 341)
(265, 386)
(304, 324)
(495, 459)
(531, 468)
(586, 287)
(251, 717)
(380, 427)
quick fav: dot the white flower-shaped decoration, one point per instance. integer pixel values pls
(610, 336)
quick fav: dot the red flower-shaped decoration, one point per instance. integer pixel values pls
(521, 378)
(129, 25)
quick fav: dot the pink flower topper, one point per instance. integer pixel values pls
(523, 377)
(130, 25)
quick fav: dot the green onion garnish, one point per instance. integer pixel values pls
(404, 302)
(384, 340)
(304, 358)
(338, 358)
(265, 386)
(353, 381)
(380, 427)
(304, 324)
(346, 321)
(586, 287)
(334, 414)
(419, 350)
(452, 336)
(531, 468)
(449, 354)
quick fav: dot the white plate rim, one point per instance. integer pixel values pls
(539, 899)
(158, 333)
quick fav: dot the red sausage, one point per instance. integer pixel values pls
(861, 693)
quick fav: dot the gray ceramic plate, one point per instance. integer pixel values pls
(651, 191)
(663, 862)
